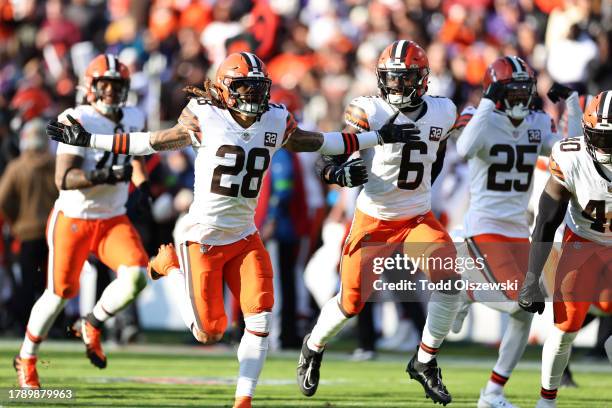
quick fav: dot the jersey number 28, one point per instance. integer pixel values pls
(255, 169)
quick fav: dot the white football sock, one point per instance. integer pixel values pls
(120, 292)
(555, 355)
(252, 352)
(608, 348)
(330, 322)
(44, 312)
(441, 312)
(177, 281)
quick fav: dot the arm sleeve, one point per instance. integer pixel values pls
(550, 138)
(550, 216)
(437, 166)
(470, 141)
(574, 115)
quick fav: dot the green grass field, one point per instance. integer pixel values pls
(181, 376)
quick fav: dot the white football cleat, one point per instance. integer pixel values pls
(546, 403)
(493, 400)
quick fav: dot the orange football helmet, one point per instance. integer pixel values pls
(597, 127)
(519, 85)
(244, 83)
(108, 68)
(402, 73)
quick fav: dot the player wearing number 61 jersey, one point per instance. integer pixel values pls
(89, 217)
(581, 176)
(234, 131)
(501, 140)
(393, 212)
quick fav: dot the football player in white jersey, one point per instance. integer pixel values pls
(501, 141)
(393, 207)
(234, 131)
(89, 217)
(578, 192)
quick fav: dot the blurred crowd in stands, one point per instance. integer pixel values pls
(320, 54)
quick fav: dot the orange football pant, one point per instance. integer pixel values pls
(245, 265)
(114, 241)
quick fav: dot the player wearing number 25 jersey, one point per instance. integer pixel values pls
(394, 207)
(235, 132)
(89, 217)
(501, 140)
(581, 176)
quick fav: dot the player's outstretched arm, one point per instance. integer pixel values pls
(134, 143)
(552, 207)
(335, 143)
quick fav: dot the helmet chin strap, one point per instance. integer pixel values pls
(517, 111)
(105, 108)
(403, 101)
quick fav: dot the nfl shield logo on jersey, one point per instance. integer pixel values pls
(270, 140)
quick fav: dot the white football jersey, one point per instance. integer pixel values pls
(501, 161)
(230, 165)
(399, 185)
(102, 200)
(589, 213)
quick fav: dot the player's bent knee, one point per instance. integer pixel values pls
(134, 276)
(53, 301)
(204, 337)
(258, 323)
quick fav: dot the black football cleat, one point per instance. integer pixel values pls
(308, 369)
(430, 377)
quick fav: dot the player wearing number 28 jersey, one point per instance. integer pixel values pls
(581, 179)
(394, 207)
(235, 132)
(501, 140)
(89, 217)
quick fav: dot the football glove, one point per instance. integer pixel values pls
(350, 174)
(400, 133)
(73, 134)
(530, 296)
(495, 92)
(558, 92)
(110, 175)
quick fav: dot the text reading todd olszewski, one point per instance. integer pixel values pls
(449, 266)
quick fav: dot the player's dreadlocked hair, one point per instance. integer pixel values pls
(210, 93)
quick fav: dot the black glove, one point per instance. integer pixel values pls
(391, 133)
(558, 92)
(530, 297)
(74, 134)
(350, 174)
(495, 92)
(110, 175)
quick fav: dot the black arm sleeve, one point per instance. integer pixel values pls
(436, 167)
(324, 163)
(550, 216)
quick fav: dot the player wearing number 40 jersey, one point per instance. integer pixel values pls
(502, 139)
(89, 217)
(581, 176)
(394, 207)
(234, 131)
